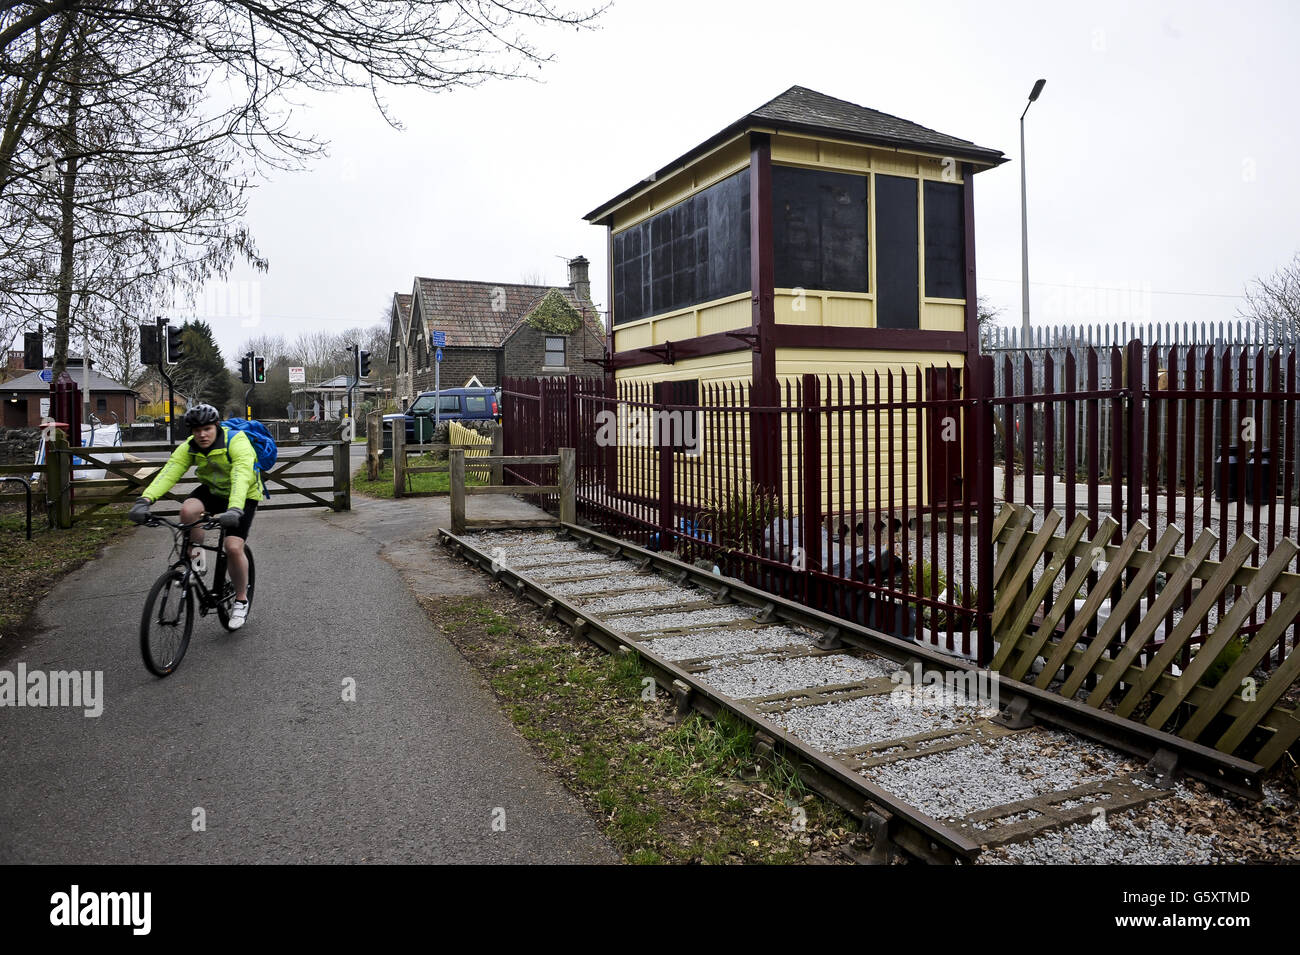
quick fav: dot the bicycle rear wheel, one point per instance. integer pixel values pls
(167, 623)
(227, 590)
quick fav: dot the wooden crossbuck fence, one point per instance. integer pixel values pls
(1076, 612)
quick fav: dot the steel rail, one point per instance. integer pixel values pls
(1165, 752)
(893, 821)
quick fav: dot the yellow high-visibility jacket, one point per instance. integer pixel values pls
(226, 468)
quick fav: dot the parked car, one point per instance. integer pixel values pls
(451, 404)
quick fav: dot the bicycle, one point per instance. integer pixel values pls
(164, 635)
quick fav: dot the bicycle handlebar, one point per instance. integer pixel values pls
(209, 523)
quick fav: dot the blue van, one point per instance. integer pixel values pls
(451, 404)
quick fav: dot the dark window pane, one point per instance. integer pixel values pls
(819, 230)
(945, 240)
(897, 236)
(693, 252)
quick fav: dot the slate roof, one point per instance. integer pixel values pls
(32, 382)
(466, 312)
(800, 109)
(402, 320)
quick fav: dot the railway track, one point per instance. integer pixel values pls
(940, 761)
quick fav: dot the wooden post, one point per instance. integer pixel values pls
(568, 486)
(342, 476)
(456, 460)
(374, 443)
(59, 479)
(399, 457)
(498, 477)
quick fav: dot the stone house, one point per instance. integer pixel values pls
(492, 330)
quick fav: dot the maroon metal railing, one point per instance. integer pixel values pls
(1199, 436)
(860, 495)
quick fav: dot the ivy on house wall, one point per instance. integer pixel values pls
(555, 315)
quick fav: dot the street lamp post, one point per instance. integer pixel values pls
(1024, 219)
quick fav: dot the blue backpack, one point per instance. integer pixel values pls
(262, 442)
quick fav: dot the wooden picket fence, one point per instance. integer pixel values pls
(1134, 648)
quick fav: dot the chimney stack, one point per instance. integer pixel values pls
(578, 280)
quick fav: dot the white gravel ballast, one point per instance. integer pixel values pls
(768, 677)
(711, 644)
(1003, 770)
(835, 727)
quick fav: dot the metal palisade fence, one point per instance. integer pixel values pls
(856, 495)
(1198, 437)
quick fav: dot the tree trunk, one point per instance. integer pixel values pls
(67, 224)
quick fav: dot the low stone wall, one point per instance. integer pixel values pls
(281, 431)
(18, 445)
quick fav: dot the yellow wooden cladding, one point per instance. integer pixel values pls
(672, 188)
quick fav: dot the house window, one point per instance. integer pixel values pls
(101, 404)
(554, 351)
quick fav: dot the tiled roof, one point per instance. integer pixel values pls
(404, 308)
(800, 109)
(484, 314)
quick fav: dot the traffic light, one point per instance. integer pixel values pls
(33, 349)
(246, 368)
(175, 349)
(259, 370)
(148, 344)
(363, 364)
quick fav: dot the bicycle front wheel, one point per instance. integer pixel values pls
(167, 623)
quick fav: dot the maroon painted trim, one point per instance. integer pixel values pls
(872, 339)
(801, 336)
(972, 295)
(765, 449)
(762, 270)
(715, 344)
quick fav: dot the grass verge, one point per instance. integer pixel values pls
(661, 791)
(30, 569)
(437, 482)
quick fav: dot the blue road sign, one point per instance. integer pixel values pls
(437, 355)
(440, 339)
(47, 374)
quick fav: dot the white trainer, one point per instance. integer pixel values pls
(238, 614)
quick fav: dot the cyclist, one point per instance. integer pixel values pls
(229, 490)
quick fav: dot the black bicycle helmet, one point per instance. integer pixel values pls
(199, 415)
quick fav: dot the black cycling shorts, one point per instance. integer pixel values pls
(214, 504)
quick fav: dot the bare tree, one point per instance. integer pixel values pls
(118, 351)
(129, 131)
(1273, 303)
(274, 348)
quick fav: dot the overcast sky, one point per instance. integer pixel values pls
(1161, 156)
